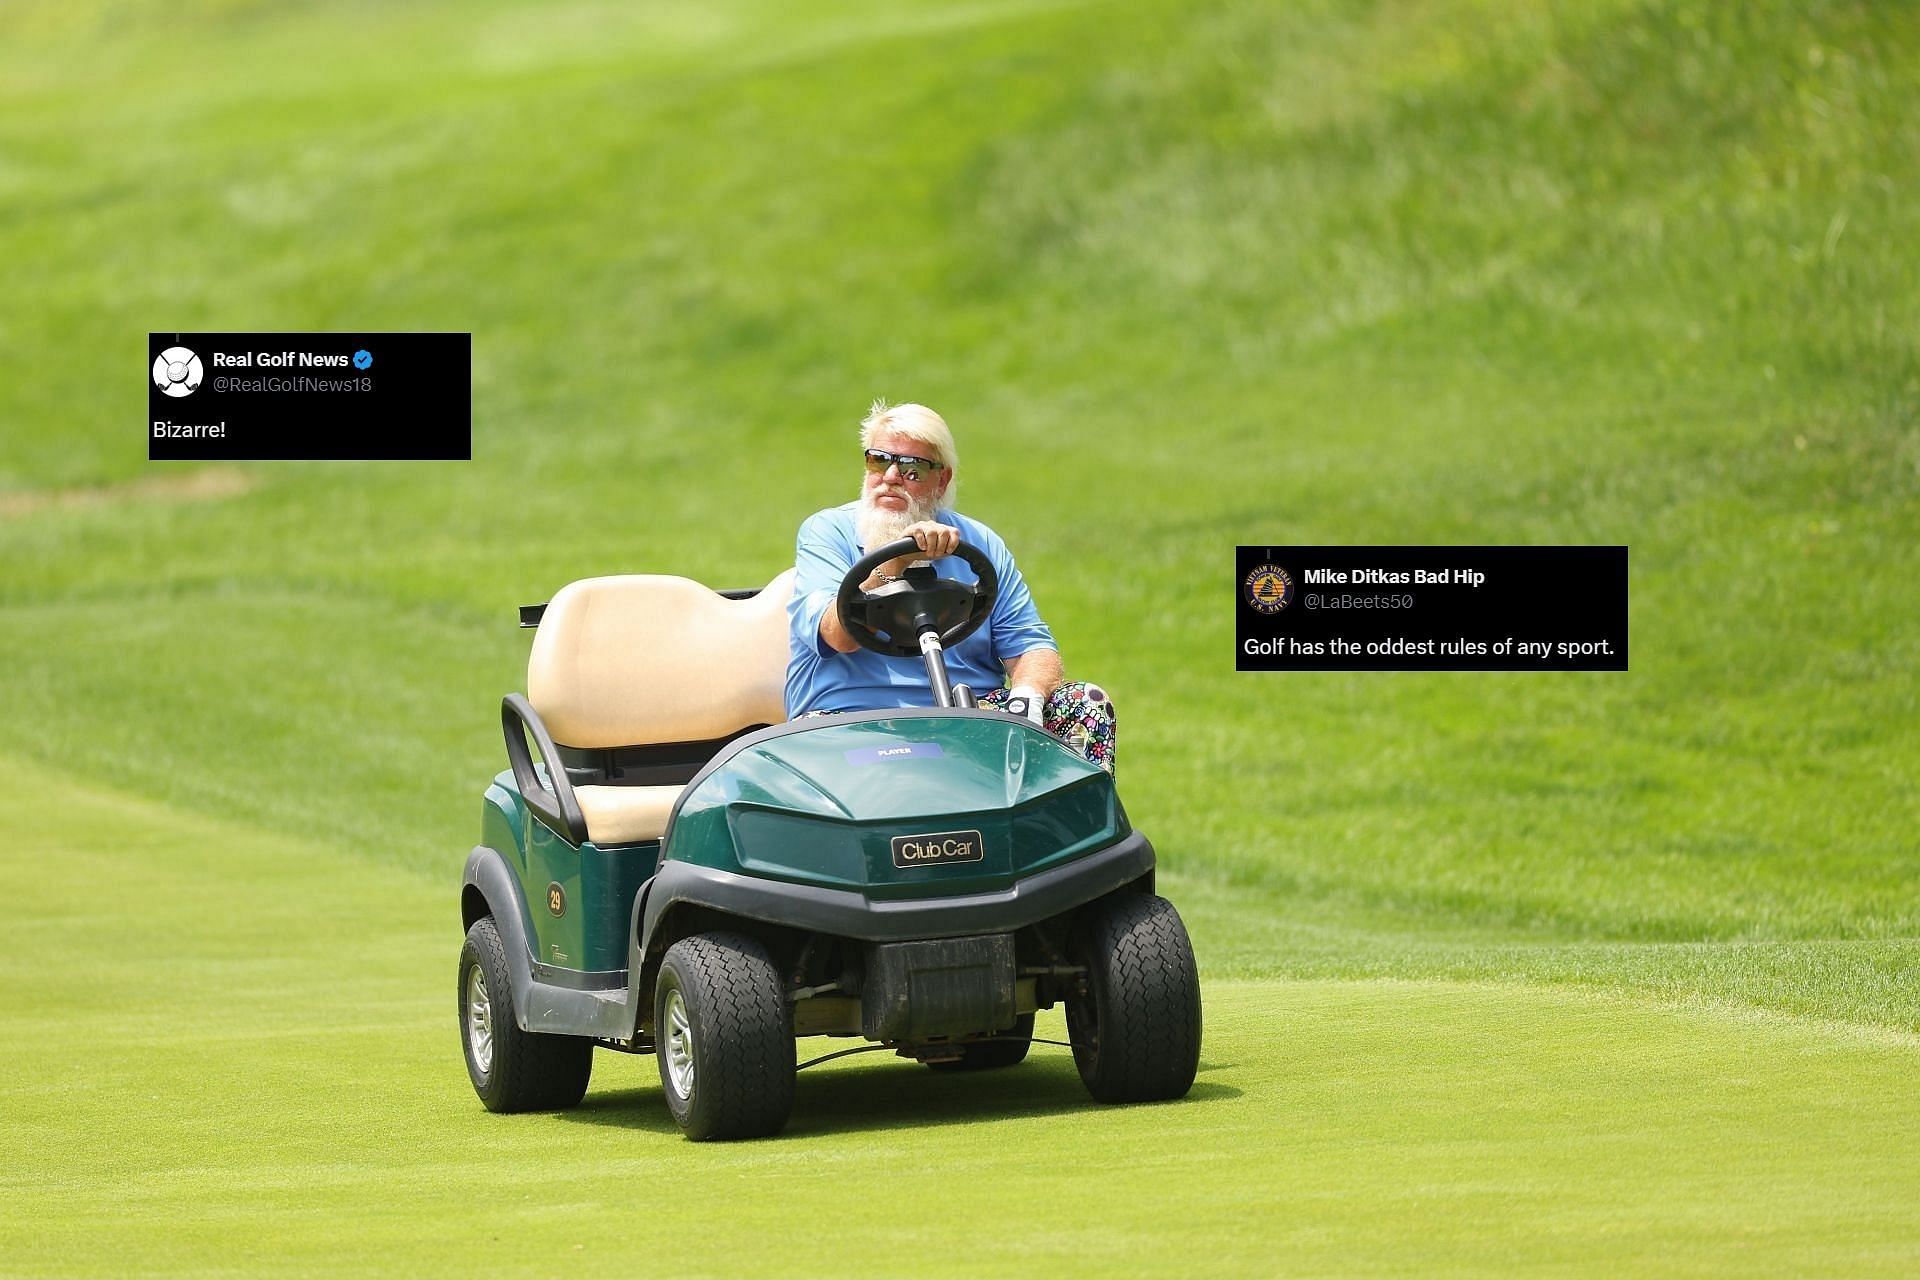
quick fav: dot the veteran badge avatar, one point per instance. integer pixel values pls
(177, 372)
(1268, 588)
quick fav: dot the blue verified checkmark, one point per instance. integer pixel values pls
(363, 359)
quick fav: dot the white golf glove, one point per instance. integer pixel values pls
(1026, 701)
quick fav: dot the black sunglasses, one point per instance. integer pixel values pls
(911, 468)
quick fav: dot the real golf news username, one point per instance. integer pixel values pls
(356, 395)
(1454, 608)
(358, 382)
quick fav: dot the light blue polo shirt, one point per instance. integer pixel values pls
(818, 679)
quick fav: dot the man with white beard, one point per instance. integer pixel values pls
(1010, 663)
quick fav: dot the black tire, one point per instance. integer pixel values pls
(1135, 1027)
(987, 1055)
(511, 1069)
(726, 1053)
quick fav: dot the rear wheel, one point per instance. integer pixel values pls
(1135, 1026)
(511, 1069)
(724, 1037)
(1009, 1049)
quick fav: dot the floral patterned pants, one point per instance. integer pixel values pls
(1079, 713)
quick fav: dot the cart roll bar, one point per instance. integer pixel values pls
(555, 804)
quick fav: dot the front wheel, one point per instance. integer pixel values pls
(511, 1069)
(724, 1037)
(1135, 1024)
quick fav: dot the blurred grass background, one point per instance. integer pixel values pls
(1182, 275)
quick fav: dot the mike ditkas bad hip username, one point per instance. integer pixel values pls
(1476, 608)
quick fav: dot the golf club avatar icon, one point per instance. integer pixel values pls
(177, 371)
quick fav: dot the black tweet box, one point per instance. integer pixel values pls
(364, 396)
(1431, 609)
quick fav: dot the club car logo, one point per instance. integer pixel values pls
(177, 372)
(944, 846)
(1268, 588)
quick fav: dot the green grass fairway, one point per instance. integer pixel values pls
(258, 1095)
(1584, 974)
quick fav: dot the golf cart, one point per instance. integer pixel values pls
(683, 872)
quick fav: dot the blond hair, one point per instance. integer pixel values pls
(922, 426)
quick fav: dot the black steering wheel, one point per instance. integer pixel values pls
(889, 621)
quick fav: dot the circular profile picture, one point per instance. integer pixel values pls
(177, 371)
(1268, 588)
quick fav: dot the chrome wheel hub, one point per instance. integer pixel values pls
(679, 1045)
(479, 1020)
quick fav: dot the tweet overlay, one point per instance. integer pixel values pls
(1431, 609)
(310, 396)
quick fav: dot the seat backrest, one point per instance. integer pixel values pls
(644, 658)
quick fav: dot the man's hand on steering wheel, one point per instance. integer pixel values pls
(890, 619)
(935, 540)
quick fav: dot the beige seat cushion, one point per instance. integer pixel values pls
(643, 659)
(622, 815)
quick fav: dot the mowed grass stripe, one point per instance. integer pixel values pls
(228, 1049)
(1241, 931)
